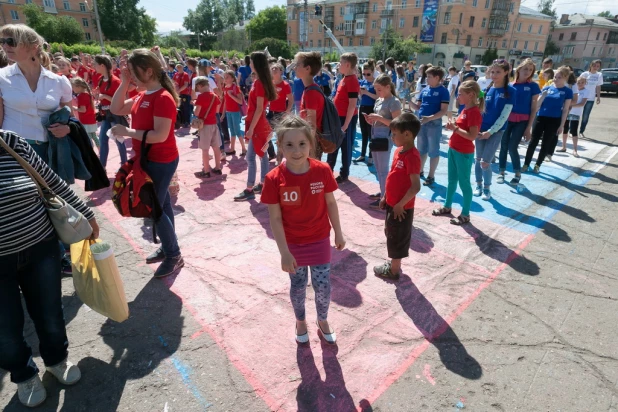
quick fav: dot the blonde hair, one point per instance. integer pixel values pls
(471, 86)
(564, 71)
(79, 82)
(351, 58)
(28, 37)
(524, 64)
(295, 122)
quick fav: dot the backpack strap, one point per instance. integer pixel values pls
(145, 148)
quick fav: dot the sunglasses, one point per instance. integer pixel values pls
(367, 74)
(9, 41)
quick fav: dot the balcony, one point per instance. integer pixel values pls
(387, 13)
(348, 33)
(361, 16)
(50, 9)
(497, 31)
(360, 32)
(500, 7)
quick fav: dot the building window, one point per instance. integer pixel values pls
(594, 49)
(519, 27)
(526, 45)
(601, 51)
(443, 39)
(536, 45)
(515, 44)
(549, 37)
(460, 17)
(471, 21)
(469, 40)
(66, 5)
(447, 17)
(541, 29)
(341, 40)
(375, 7)
(487, 3)
(28, 1)
(480, 43)
(85, 22)
(508, 25)
(404, 4)
(289, 12)
(372, 40)
(483, 23)
(511, 7)
(604, 36)
(361, 42)
(504, 44)
(14, 15)
(374, 24)
(310, 43)
(350, 42)
(417, 3)
(530, 28)
(319, 43)
(82, 7)
(474, 3)
(289, 30)
(415, 21)
(310, 29)
(49, 3)
(87, 36)
(319, 28)
(561, 36)
(341, 11)
(573, 35)
(11, 1)
(402, 22)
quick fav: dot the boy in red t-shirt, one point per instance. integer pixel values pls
(402, 184)
(345, 102)
(308, 65)
(205, 121)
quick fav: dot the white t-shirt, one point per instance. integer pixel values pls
(483, 82)
(400, 82)
(594, 80)
(452, 84)
(581, 95)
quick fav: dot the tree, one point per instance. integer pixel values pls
(232, 40)
(489, 56)
(276, 47)
(60, 29)
(205, 22)
(123, 20)
(250, 10)
(392, 44)
(173, 39)
(551, 48)
(269, 23)
(547, 7)
(606, 13)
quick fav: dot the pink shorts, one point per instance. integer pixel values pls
(311, 254)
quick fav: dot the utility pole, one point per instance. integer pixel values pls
(306, 20)
(96, 15)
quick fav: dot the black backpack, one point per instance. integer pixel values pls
(331, 136)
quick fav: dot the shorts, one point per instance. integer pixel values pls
(209, 136)
(233, 123)
(398, 234)
(428, 139)
(90, 128)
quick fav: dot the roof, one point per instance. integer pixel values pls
(579, 19)
(527, 11)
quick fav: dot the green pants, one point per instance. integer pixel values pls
(459, 170)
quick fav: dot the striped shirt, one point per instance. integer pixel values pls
(23, 218)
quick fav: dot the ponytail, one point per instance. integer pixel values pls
(166, 83)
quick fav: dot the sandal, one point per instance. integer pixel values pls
(563, 150)
(202, 174)
(429, 181)
(575, 154)
(442, 211)
(460, 220)
(384, 271)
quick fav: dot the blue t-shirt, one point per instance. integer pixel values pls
(335, 86)
(366, 100)
(299, 88)
(393, 74)
(525, 93)
(431, 100)
(410, 74)
(554, 101)
(322, 79)
(245, 72)
(495, 100)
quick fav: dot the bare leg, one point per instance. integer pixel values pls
(301, 327)
(232, 143)
(395, 265)
(433, 165)
(205, 160)
(217, 157)
(423, 160)
(575, 139)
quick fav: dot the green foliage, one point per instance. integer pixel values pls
(331, 57)
(551, 48)
(232, 40)
(392, 44)
(53, 28)
(269, 23)
(206, 21)
(249, 10)
(276, 47)
(114, 51)
(489, 56)
(173, 40)
(123, 20)
(606, 13)
(547, 7)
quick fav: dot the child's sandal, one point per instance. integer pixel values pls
(460, 220)
(202, 174)
(441, 211)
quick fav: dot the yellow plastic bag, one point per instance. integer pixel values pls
(97, 279)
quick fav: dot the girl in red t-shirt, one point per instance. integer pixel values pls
(257, 129)
(153, 112)
(85, 108)
(232, 98)
(302, 207)
(64, 67)
(461, 150)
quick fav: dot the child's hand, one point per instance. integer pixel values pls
(382, 203)
(288, 263)
(450, 125)
(339, 241)
(484, 135)
(527, 135)
(399, 212)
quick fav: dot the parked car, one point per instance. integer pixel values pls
(610, 82)
(479, 69)
(610, 69)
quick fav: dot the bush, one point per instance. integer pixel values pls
(114, 49)
(276, 47)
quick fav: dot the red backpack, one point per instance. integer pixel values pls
(133, 193)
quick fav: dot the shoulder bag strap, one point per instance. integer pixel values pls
(34, 175)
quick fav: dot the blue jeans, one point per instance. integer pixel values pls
(36, 272)
(252, 165)
(428, 139)
(41, 149)
(510, 142)
(485, 151)
(586, 115)
(346, 148)
(161, 174)
(104, 140)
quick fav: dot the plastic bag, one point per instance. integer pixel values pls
(97, 280)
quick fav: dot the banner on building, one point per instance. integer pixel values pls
(428, 27)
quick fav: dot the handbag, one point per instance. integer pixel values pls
(201, 121)
(379, 144)
(70, 225)
(100, 116)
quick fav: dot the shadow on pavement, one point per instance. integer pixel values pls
(345, 276)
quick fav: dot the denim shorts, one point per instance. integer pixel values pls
(428, 139)
(233, 123)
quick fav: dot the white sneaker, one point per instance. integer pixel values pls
(486, 194)
(478, 191)
(32, 392)
(65, 372)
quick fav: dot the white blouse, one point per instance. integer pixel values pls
(25, 110)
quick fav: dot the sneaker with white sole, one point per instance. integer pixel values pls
(65, 372)
(500, 179)
(31, 393)
(486, 194)
(478, 191)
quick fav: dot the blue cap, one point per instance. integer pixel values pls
(204, 63)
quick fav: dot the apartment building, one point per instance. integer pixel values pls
(583, 38)
(11, 13)
(455, 30)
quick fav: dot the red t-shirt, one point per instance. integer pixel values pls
(145, 108)
(262, 128)
(116, 72)
(88, 117)
(181, 78)
(398, 180)
(114, 84)
(94, 78)
(466, 119)
(280, 103)
(82, 71)
(348, 88)
(313, 100)
(132, 93)
(230, 104)
(302, 200)
(203, 100)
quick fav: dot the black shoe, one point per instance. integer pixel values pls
(359, 159)
(156, 256)
(429, 181)
(217, 172)
(376, 196)
(341, 179)
(169, 266)
(257, 188)
(375, 204)
(245, 195)
(231, 153)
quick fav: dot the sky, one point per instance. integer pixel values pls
(169, 17)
